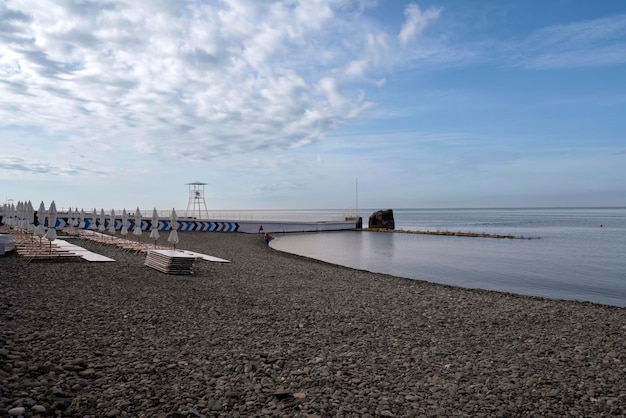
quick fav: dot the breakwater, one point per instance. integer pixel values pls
(451, 233)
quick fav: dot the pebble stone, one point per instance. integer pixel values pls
(17, 412)
(273, 334)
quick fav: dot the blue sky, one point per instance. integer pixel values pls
(284, 104)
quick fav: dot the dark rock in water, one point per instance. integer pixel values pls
(382, 219)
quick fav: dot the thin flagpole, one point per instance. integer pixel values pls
(357, 197)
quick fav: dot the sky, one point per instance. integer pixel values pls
(312, 104)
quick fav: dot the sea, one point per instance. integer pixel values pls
(559, 253)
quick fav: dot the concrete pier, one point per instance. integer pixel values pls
(244, 226)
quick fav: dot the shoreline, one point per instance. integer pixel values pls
(272, 333)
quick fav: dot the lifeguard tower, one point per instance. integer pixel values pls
(196, 207)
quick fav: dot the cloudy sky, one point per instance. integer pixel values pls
(285, 104)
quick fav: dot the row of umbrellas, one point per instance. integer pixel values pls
(24, 217)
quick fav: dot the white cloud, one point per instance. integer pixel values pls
(416, 22)
(13, 163)
(151, 76)
(590, 43)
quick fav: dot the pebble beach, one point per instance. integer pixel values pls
(275, 334)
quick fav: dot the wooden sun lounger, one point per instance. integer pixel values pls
(170, 262)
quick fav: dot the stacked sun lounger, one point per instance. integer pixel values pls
(7, 243)
(170, 261)
(34, 248)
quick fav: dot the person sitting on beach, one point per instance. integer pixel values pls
(267, 237)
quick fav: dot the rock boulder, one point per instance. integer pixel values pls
(382, 219)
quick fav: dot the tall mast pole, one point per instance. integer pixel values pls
(357, 197)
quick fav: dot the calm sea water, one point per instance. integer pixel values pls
(576, 254)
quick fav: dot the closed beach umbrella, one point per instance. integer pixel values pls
(11, 215)
(82, 223)
(101, 227)
(112, 222)
(7, 217)
(40, 229)
(124, 230)
(137, 230)
(52, 223)
(30, 216)
(23, 220)
(173, 237)
(20, 216)
(154, 233)
(76, 217)
(6, 214)
(70, 217)
(94, 216)
(24, 216)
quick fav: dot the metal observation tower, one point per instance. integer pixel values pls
(196, 207)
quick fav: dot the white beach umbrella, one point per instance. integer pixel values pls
(94, 216)
(7, 221)
(21, 224)
(30, 217)
(52, 223)
(137, 229)
(6, 211)
(17, 220)
(11, 215)
(40, 229)
(112, 222)
(24, 217)
(76, 217)
(154, 233)
(16, 216)
(6, 214)
(124, 230)
(8, 218)
(173, 237)
(101, 227)
(20, 216)
(70, 217)
(82, 223)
